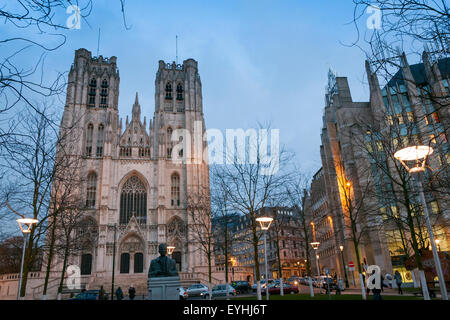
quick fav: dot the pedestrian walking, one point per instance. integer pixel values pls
(101, 293)
(131, 292)
(119, 293)
(398, 281)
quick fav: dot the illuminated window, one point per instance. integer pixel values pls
(383, 213)
(395, 142)
(435, 117)
(394, 211)
(400, 118)
(410, 116)
(390, 120)
(432, 138)
(379, 146)
(434, 207)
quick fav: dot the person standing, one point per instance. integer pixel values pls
(131, 292)
(119, 293)
(398, 281)
(101, 293)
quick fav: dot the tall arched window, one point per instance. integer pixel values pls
(91, 189)
(125, 263)
(86, 264)
(168, 91)
(104, 94)
(92, 92)
(179, 92)
(175, 189)
(100, 140)
(133, 201)
(89, 135)
(138, 262)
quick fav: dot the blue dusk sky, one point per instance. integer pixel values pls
(259, 60)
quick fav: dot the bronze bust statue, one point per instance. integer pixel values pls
(162, 266)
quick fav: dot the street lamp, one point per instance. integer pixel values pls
(315, 245)
(343, 265)
(416, 154)
(437, 243)
(25, 225)
(265, 225)
(170, 250)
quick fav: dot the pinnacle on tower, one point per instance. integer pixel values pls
(136, 112)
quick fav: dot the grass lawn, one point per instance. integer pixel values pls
(325, 297)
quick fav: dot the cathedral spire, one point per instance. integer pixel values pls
(136, 112)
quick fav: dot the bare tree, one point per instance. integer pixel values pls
(29, 163)
(250, 179)
(297, 194)
(221, 212)
(199, 211)
(399, 209)
(33, 30)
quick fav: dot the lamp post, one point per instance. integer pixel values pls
(416, 154)
(265, 225)
(315, 245)
(25, 225)
(170, 250)
(114, 262)
(341, 248)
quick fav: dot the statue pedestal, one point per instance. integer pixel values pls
(164, 288)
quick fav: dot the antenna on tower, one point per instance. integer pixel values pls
(98, 41)
(176, 49)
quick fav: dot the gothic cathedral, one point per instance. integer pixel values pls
(133, 190)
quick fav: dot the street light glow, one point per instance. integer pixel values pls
(26, 223)
(264, 222)
(413, 153)
(170, 250)
(315, 245)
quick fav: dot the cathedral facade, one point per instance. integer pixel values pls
(134, 193)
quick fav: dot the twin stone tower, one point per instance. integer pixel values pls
(130, 186)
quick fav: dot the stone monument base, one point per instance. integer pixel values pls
(164, 288)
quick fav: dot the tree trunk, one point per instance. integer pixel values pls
(49, 260)
(63, 272)
(255, 249)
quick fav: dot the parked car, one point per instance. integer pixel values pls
(89, 295)
(241, 286)
(287, 288)
(183, 294)
(220, 290)
(196, 290)
(263, 284)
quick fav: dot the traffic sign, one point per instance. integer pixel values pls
(350, 264)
